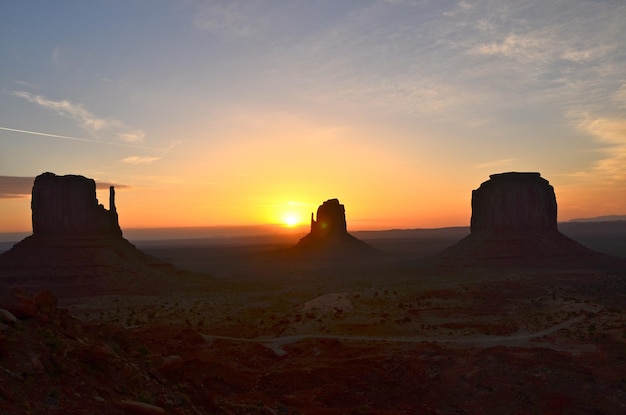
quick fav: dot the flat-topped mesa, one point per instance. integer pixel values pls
(331, 220)
(67, 206)
(514, 202)
(76, 242)
(514, 225)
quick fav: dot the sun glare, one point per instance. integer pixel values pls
(290, 214)
(291, 219)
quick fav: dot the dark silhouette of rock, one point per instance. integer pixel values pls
(329, 235)
(331, 220)
(67, 205)
(514, 223)
(514, 202)
(75, 239)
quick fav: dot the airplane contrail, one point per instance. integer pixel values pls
(65, 137)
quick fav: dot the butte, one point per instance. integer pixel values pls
(514, 224)
(329, 237)
(76, 242)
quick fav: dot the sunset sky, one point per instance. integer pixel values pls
(207, 113)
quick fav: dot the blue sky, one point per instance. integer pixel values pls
(232, 112)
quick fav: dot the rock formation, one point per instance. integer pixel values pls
(514, 202)
(331, 220)
(514, 223)
(76, 239)
(329, 235)
(67, 205)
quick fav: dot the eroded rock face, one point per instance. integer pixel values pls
(78, 244)
(331, 219)
(329, 235)
(514, 202)
(67, 205)
(514, 225)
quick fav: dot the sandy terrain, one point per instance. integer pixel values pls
(257, 334)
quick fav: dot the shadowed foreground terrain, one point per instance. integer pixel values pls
(261, 335)
(514, 318)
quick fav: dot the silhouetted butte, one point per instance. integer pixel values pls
(74, 238)
(329, 237)
(514, 223)
(67, 205)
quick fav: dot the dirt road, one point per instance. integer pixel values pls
(276, 344)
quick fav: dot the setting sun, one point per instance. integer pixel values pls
(289, 214)
(291, 219)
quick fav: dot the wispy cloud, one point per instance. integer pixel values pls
(232, 19)
(57, 58)
(620, 96)
(470, 57)
(25, 84)
(106, 185)
(19, 187)
(383, 56)
(520, 47)
(544, 46)
(580, 55)
(15, 187)
(495, 163)
(84, 117)
(611, 134)
(133, 136)
(399, 95)
(69, 109)
(140, 160)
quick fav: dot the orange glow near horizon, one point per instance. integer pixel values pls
(271, 132)
(194, 204)
(291, 220)
(290, 214)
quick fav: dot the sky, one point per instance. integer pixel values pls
(221, 113)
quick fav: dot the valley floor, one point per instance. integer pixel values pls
(255, 334)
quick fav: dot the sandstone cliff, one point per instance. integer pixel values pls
(329, 236)
(67, 205)
(514, 223)
(331, 220)
(76, 242)
(514, 202)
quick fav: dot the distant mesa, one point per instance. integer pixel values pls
(606, 218)
(514, 223)
(74, 237)
(329, 235)
(67, 205)
(514, 202)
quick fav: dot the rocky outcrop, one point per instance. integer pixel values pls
(514, 224)
(77, 242)
(514, 202)
(67, 205)
(329, 237)
(331, 220)
(55, 363)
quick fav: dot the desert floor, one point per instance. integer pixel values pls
(254, 333)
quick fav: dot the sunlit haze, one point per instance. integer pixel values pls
(223, 113)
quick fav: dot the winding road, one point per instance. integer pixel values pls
(276, 344)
